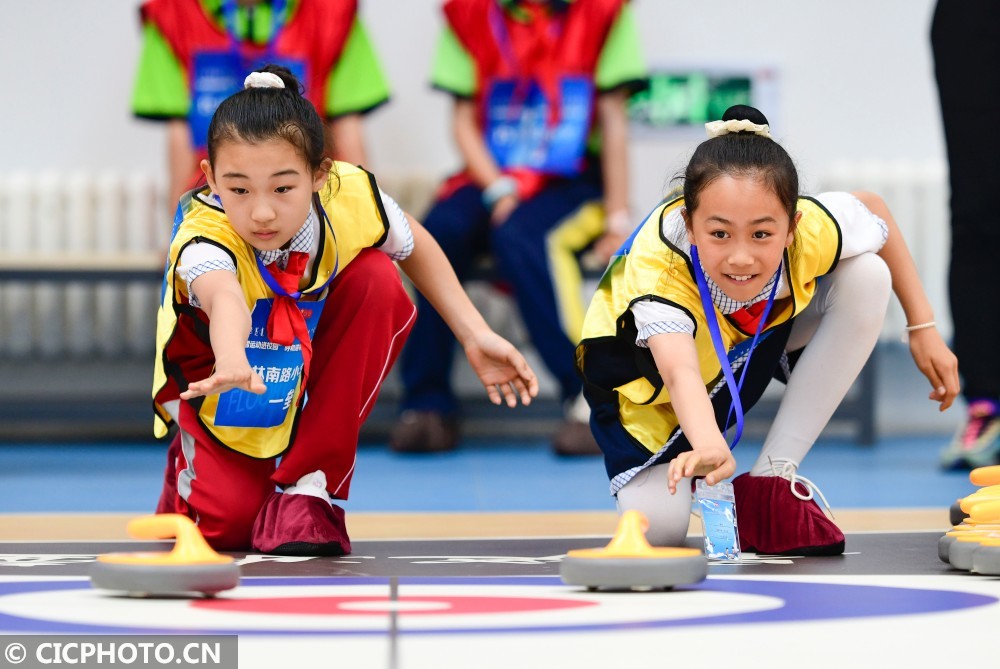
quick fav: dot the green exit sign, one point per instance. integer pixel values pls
(678, 99)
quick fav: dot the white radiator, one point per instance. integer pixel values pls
(103, 216)
(917, 196)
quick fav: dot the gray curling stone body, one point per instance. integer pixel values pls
(623, 573)
(986, 560)
(160, 580)
(960, 554)
(944, 547)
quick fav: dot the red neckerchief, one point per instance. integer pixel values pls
(748, 317)
(286, 322)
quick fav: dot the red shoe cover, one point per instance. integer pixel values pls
(300, 525)
(773, 521)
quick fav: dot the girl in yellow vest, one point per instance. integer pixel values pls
(282, 313)
(738, 280)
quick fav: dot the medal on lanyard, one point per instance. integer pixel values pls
(720, 350)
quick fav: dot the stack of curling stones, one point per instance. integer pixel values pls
(973, 544)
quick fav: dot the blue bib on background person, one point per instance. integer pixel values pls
(279, 366)
(519, 133)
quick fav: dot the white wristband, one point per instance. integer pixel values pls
(911, 328)
(499, 189)
(619, 222)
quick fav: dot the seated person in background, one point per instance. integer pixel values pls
(195, 53)
(540, 88)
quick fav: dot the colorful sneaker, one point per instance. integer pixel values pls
(777, 515)
(977, 443)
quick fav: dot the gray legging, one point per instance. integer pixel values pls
(841, 326)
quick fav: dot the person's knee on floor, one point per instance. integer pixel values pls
(669, 515)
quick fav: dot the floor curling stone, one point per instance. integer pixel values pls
(629, 562)
(191, 568)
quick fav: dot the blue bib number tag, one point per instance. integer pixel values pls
(279, 366)
(518, 131)
(219, 74)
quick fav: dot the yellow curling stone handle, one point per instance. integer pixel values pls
(985, 512)
(986, 494)
(985, 475)
(630, 542)
(190, 546)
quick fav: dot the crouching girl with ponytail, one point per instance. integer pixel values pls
(282, 312)
(738, 280)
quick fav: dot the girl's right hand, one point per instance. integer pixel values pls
(226, 377)
(936, 361)
(714, 462)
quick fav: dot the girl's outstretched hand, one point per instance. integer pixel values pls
(714, 462)
(226, 377)
(936, 361)
(501, 368)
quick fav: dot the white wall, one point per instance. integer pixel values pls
(855, 80)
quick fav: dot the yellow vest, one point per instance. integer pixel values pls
(654, 268)
(355, 221)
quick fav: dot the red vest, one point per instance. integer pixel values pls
(544, 49)
(572, 47)
(315, 35)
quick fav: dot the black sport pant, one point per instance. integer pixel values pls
(965, 36)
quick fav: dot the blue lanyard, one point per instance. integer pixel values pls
(273, 284)
(720, 350)
(278, 11)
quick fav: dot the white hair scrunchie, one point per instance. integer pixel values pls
(263, 80)
(719, 128)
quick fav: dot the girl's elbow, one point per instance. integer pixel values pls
(873, 201)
